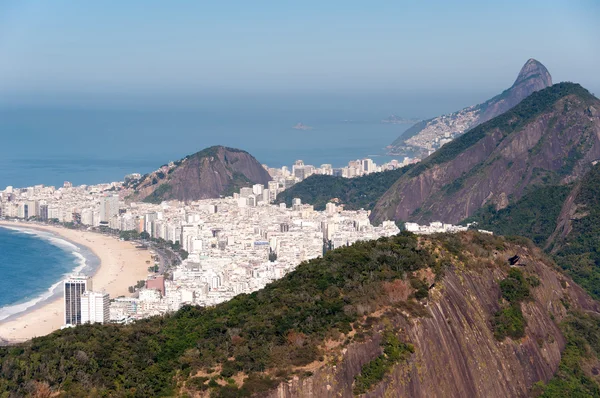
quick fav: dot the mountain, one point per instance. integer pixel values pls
(429, 316)
(354, 193)
(550, 138)
(211, 173)
(562, 219)
(433, 133)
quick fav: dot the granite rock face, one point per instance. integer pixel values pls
(456, 353)
(210, 173)
(550, 138)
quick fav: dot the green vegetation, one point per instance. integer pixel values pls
(129, 235)
(579, 252)
(582, 332)
(213, 151)
(375, 370)
(507, 123)
(354, 193)
(159, 194)
(509, 321)
(535, 216)
(277, 328)
(238, 181)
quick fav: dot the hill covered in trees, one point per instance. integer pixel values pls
(211, 173)
(355, 193)
(348, 317)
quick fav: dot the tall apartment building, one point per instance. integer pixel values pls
(109, 207)
(75, 286)
(95, 307)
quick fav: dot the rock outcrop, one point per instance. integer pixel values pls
(430, 134)
(210, 173)
(456, 354)
(549, 138)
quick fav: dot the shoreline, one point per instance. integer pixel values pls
(120, 265)
(84, 260)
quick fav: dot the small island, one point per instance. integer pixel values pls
(301, 126)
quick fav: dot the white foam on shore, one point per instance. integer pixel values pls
(6, 312)
(56, 289)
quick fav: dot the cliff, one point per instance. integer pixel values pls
(426, 135)
(562, 219)
(211, 173)
(551, 137)
(455, 352)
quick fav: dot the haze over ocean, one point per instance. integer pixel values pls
(93, 145)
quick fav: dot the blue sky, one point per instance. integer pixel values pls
(52, 49)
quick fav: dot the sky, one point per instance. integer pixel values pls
(59, 50)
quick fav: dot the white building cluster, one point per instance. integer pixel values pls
(438, 227)
(236, 244)
(82, 305)
(285, 177)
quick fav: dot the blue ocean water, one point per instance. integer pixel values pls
(32, 264)
(89, 145)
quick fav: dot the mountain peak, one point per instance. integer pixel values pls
(545, 139)
(210, 173)
(533, 77)
(534, 69)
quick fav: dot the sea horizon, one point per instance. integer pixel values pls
(96, 145)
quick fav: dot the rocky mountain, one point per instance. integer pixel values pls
(562, 219)
(550, 138)
(433, 133)
(437, 316)
(211, 173)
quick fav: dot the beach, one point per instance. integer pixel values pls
(121, 266)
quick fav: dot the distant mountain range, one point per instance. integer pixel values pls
(430, 134)
(211, 173)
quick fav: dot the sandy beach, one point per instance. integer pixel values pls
(121, 266)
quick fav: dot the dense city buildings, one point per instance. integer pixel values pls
(285, 177)
(234, 245)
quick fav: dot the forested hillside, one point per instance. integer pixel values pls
(280, 328)
(355, 193)
(354, 322)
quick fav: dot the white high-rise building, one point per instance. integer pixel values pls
(257, 189)
(109, 207)
(95, 307)
(74, 287)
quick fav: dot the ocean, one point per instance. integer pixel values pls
(94, 145)
(33, 264)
